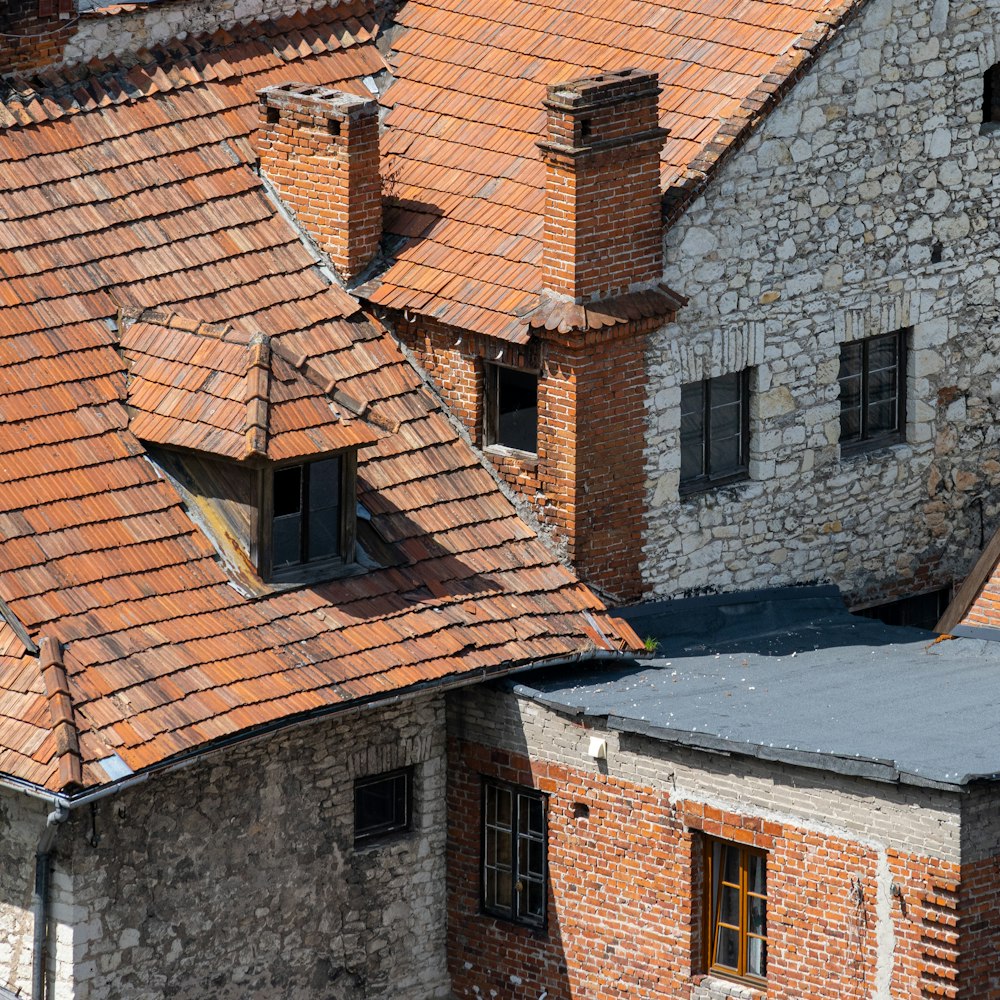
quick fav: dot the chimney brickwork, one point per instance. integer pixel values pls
(320, 150)
(34, 33)
(603, 229)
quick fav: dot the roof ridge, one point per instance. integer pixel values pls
(258, 396)
(60, 702)
(59, 92)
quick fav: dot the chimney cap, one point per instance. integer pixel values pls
(323, 100)
(614, 87)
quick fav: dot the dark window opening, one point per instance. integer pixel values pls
(919, 611)
(872, 392)
(991, 95)
(273, 116)
(382, 804)
(715, 431)
(333, 126)
(514, 853)
(511, 408)
(735, 927)
(306, 521)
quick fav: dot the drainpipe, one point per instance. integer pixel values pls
(40, 899)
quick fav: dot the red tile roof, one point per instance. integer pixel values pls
(459, 146)
(211, 388)
(154, 203)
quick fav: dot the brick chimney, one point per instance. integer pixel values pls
(319, 148)
(33, 33)
(603, 229)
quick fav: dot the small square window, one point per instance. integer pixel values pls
(715, 436)
(872, 392)
(735, 912)
(514, 853)
(510, 408)
(382, 804)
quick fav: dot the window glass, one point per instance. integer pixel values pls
(286, 536)
(382, 804)
(871, 383)
(736, 909)
(306, 523)
(714, 431)
(514, 847)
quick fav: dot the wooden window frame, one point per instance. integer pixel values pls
(491, 406)
(711, 906)
(883, 439)
(307, 571)
(514, 913)
(708, 480)
(401, 822)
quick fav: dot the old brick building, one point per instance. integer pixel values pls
(712, 292)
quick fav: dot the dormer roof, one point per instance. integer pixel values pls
(214, 389)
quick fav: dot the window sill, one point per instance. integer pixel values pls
(715, 988)
(291, 577)
(870, 449)
(527, 458)
(988, 128)
(699, 487)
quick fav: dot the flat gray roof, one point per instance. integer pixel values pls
(790, 675)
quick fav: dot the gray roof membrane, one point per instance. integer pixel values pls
(790, 675)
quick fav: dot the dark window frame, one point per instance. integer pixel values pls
(515, 912)
(707, 479)
(492, 373)
(869, 441)
(711, 912)
(307, 570)
(991, 96)
(397, 823)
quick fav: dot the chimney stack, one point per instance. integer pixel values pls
(603, 223)
(34, 33)
(319, 148)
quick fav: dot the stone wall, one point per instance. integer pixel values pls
(239, 877)
(863, 205)
(862, 875)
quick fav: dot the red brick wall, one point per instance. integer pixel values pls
(41, 29)
(624, 898)
(588, 482)
(603, 230)
(321, 153)
(978, 904)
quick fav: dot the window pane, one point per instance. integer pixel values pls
(731, 865)
(381, 805)
(727, 951)
(756, 957)
(757, 915)
(756, 878)
(726, 390)
(530, 814)
(692, 430)
(724, 455)
(729, 906)
(324, 484)
(285, 540)
(517, 409)
(288, 491)
(533, 901)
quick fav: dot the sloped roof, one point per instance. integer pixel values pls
(466, 111)
(210, 388)
(153, 202)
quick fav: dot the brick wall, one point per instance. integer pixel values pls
(319, 148)
(863, 879)
(34, 33)
(586, 483)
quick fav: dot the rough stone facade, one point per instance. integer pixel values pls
(863, 205)
(239, 876)
(865, 880)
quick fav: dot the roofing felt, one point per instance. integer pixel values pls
(467, 180)
(791, 676)
(150, 199)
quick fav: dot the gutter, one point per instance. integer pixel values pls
(40, 898)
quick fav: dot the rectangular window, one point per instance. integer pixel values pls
(514, 849)
(991, 95)
(736, 910)
(306, 520)
(715, 438)
(872, 392)
(382, 804)
(510, 408)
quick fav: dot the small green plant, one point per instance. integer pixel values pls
(650, 644)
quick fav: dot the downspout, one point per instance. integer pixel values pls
(40, 899)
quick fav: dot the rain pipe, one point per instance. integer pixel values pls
(40, 898)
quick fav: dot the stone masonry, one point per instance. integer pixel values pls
(863, 205)
(865, 880)
(238, 876)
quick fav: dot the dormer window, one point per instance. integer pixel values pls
(306, 525)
